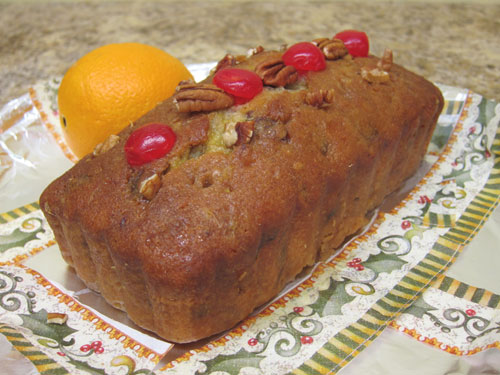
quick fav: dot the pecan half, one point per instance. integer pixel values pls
(274, 72)
(385, 63)
(106, 145)
(374, 75)
(150, 186)
(197, 97)
(244, 129)
(320, 98)
(333, 49)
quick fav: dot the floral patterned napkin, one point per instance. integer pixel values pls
(393, 275)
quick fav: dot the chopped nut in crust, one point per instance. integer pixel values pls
(227, 61)
(255, 51)
(150, 186)
(230, 136)
(198, 97)
(244, 129)
(385, 63)
(185, 82)
(106, 145)
(238, 133)
(333, 49)
(375, 75)
(320, 98)
(274, 72)
(320, 42)
(57, 318)
(278, 112)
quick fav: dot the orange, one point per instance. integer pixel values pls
(112, 86)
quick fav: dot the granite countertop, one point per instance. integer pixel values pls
(456, 44)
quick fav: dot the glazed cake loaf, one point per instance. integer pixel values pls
(252, 192)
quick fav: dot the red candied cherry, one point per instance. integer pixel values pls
(242, 84)
(470, 312)
(304, 56)
(355, 41)
(149, 143)
(85, 348)
(487, 153)
(61, 354)
(253, 341)
(298, 309)
(306, 340)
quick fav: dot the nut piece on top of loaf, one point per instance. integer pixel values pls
(209, 204)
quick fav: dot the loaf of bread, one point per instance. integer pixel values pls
(190, 243)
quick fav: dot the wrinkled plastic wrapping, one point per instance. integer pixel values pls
(27, 154)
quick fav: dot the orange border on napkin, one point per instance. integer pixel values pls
(98, 323)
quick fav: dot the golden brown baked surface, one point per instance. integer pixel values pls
(190, 244)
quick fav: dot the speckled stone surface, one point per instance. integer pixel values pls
(455, 44)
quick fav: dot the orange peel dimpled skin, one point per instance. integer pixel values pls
(210, 203)
(112, 86)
